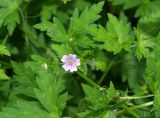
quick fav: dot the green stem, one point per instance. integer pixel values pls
(88, 80)
(136, 97)
(106, 72)
(5, 39)
(135, 107)
(133, 113)
(24, 21)
(5, 64)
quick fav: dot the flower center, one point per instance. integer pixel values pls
(70, 61)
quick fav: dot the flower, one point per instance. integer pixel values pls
(70, 62)
(45, 66)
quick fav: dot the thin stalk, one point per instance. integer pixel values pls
(134, 107)
(136, 97)
(23, 26)
(5, 39)
(88, 80)
(5, 64)
(133, 113)
(106, 72)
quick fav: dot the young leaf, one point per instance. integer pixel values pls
(3, 50)
(111, 92)
(143, 44)
(3, 76)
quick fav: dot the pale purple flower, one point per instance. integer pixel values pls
(70, 62)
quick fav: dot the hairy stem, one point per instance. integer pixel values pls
(136, 97)
(88, 80)
(134, 107)
(106, 72)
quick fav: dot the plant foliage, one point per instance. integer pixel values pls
(116, 41)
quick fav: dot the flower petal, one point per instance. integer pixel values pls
(73, 68)
(64, 58)
(77, 62)
(66, 67)
(72, 56)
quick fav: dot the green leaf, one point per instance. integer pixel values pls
(74, 23)
(32, 36)
(81, 4)
(11, 21)
(156, 105)
(149, 24)
(50, 93)
(127, 4)
(143, 44)
(44, 26)
(25, 109)
(130, 72)
(62, 49)
(47, 12)
(3, 50)
(116, 37)
(99, 62)
(3, 76)
(25, 78)
(78, 42)
(99, 34)
(9, 14)
(54, 30)
(144, 7)
(109, 114)
(152, 71)
(95, 102)
(24, 75)
(37, 63)
(147, 8)
(89, 15)
(111, 92)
